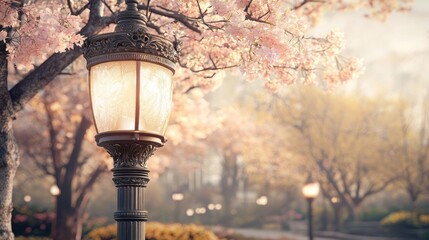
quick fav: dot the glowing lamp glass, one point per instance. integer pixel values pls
(311, 190)
(131, 96)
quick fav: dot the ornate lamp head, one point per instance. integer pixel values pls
(130, 81)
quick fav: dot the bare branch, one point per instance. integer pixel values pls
(214, 67)
(147, 10)
(78, 12)
(89, 184)
(42, 165)
(155, 27)
(303, 3)
(55, 153)
(247, 6)
(44, 168)
(249, 15)
(108, 7)
(183, 19)
(202, 15)
(73, 161)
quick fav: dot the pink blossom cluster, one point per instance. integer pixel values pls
(8, 14)
(268, 40)
(264, 40)
(45, 28)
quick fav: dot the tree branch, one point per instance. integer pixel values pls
(78, 12)
(183, 19)
(89, 183)
(42, 165)
(303, 3)
(36, 80)
(55, 153)
(73, 162)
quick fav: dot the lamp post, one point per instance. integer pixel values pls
(55, 191)
(177, 198)
(310, 191)
(130, 85)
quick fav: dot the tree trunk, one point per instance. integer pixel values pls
(70, 215)
(9, 162)
(68, 221)
(68, 208)
(324, 218)
(351, 212)
(337, 216)
(414, 196)
(229, 184)
(9, 157)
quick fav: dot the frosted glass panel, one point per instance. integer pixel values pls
(155, 97)
(113, 95)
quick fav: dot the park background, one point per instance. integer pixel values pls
(371, 132)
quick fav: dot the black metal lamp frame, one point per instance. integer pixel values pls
(130, 150)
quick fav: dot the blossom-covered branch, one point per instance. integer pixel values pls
(255, 36)
(25, 89)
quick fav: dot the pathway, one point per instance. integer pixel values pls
(287, 235)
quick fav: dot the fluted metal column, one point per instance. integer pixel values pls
(131, 177)
(131, 214)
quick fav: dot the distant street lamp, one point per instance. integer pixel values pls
(177, 198)
(54, 190)
(201, 210)
(27, 198)
(218, 206)
(262, 201)
(211, 206)
(190, 212)
(310, 191)
(130, 85)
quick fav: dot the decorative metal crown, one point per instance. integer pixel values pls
(130, 41)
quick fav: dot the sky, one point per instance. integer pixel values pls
(395, 53)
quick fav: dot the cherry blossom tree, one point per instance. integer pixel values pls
(262, 39)
(60, 144)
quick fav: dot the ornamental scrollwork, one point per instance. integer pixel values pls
(131, 215)
(133, 41)
(130, 154)
(131, 181)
